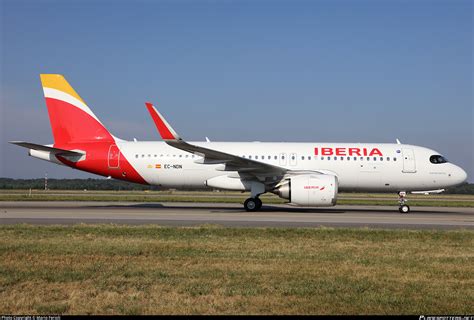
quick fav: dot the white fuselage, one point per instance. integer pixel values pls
(358, 166)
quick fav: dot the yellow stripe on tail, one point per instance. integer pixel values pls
(57, 81)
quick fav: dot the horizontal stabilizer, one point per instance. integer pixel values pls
(55, 151)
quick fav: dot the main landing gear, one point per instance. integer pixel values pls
(253, 204)
(403, 207)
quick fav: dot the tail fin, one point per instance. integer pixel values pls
(71, 119)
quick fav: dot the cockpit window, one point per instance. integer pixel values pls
(438, 159)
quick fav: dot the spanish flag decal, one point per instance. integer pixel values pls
(158, 166)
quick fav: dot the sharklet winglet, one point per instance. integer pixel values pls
(165, 130)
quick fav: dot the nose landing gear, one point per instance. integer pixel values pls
(403, 207)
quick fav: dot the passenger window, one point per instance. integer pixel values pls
(256, 157)
(269, 157)
(335, 158)
(388, 158)
(309, 158)
(348, 158)
(302, 157)
(322, 158)
(250, 157)
(136, 156)
(355, 158)
(143, 156)
(394, 159)
(375, 158)
(361, 158)
(292, 157)
(368, 158)
(342, 158)
(275, 157)
(381, 158)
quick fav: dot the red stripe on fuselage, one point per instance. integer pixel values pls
(97, 161)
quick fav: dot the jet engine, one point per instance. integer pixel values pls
(312, 190)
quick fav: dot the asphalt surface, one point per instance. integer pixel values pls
(191, 214)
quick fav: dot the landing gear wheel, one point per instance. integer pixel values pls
(404, 209)
(251, 204)
(259, 203)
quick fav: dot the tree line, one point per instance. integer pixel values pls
(73, 184)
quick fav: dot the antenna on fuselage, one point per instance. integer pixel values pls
(398, 141)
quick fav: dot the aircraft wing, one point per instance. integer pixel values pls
(40, 147)
(211, 156)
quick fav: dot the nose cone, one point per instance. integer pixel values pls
(459, 175)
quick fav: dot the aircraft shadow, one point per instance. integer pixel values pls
(269, 208)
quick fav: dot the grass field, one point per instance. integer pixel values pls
(211, 270)
(438, 200)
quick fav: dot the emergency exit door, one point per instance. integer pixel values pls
(114, 157)
(409, 164)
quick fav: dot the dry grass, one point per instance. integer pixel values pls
(211, 270)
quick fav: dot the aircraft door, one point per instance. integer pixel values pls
(409, 164)
(114, 157)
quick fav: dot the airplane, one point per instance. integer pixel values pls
(306, 174)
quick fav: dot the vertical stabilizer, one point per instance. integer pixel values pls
(72, 121)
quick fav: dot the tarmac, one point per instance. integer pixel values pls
(233, 215)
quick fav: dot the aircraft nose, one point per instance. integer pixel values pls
(459, 175)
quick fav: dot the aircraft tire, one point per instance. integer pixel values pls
(251, 204)
(404, 209)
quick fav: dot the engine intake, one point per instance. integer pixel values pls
(312, 190)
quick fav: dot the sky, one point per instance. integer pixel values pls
(309, 71)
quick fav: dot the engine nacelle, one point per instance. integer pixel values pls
(312, 190)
